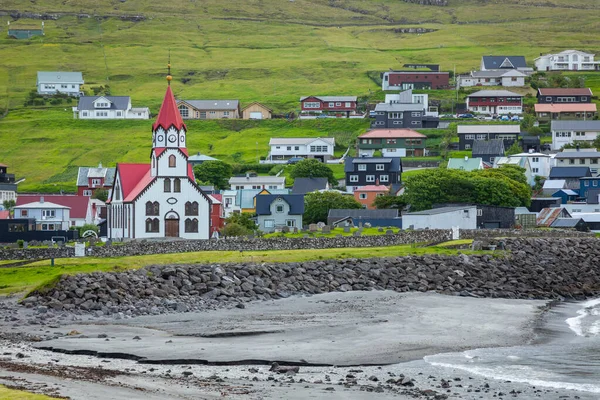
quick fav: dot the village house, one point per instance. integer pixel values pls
(363, 171)
(521, 162)
(19, 31)
(573, 158)
(405, 110)
(587, 185)
(391, 143)
(463, 217)
(352, 217)
(403, 80)
(250, 181)
(565, 111)
(540, 163)
(55, 212)
(90, 179)
(488, 150)
(500, 77)
(494, 63)
(366, 195)
(467, 164)
(495, 102)
(567, 60)
(308, 185)
(283, 149)
(53, 82)
(334, 106)
(468, 134)
(569, 132)
(256, 111)
(108, 107)
(198, 159)
(8, 186)
(568, 177)
(160, 199)
(217, 214)
(564, 95)
(278, 211)
(244, 200)
(209, 109)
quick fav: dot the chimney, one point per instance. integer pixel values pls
(247, 175)
(466, 158)
(531, 151)
(42, 199)
(377, 182)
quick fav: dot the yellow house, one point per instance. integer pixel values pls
(256, 111)
(209, 109)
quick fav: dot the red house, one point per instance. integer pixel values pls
(217, 213)
(340, 106)
(90, 179)
(404, 80)
(495, 102)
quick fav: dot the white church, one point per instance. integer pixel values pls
(160, 199)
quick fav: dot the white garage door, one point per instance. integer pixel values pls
(256, 115)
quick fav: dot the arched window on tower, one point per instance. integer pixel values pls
(172, 161)
(191, 208)
(177, 185)
(167, 185)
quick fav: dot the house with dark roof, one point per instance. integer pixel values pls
(308, 185)
(53, 82)
(277, 211)
(488, 216)
(363, 171)
(577, 224)
(338, 217)
(566, 195)
(564, 95)
(468, 134)
(488, 150)
(161, 198)
(592, 196)
(90, 179)
(497, 77)
(569, 132)
(577, 158)
(505, 63)
(8, 186)
(209, 109)
(391, 143)
(108, 107)
(588, 183)
(404, 80)
(571, 175)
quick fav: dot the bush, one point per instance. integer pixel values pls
(88, 227)
(20, 243)
(258, 168)
(275, 170)
(233, 229)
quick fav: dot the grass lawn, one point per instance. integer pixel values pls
(270, 51)
(33, 275)
(334, 232)
(10, 394)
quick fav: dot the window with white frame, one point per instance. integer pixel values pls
(312, 104)
(479, 212)
(101, 113)
(353, 178)
(269, 223)
(289, 148)
(331, 104)
(395, 115)
(415, 122)
(296, 148)
(48, 213)
(338, 104)
(469, 137)
(535, 170)
(384, 178)
(467, 146)
(415, 114)
(226, 113)
(379, 167)
(362, 167)
(290, 223)
(318, 149)
(362, 196)
(348, 104)
(535, 159)
(87, 192)
(370, 178)
(481, 136)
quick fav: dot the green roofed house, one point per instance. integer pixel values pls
(24, 32)
(465, 164)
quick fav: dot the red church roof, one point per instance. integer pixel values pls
(78, 204)
(169, 113)
(131, 175)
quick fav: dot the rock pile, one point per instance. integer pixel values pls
(535, 268)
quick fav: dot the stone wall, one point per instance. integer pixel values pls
(537, 268)
(144, 247)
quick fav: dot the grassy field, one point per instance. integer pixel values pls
(270, 51)
(24, 278)
(10, 394)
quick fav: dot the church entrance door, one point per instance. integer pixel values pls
(171, 226)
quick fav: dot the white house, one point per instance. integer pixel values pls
(80, 207)
(464, 217)
(568, 60)
(568, 131)
(511, 77)
(108, 107)
(522, 162)
(256, 182)
(160, 199)
(283, 149)
(48, 216)
(50, 82)
(408, 97)
(540, 163)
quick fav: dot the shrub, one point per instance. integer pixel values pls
(20, 243)
(233, 229)
(275, 170)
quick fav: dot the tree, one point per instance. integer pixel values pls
(234, 229)
(527, 122)
(216, 172)
(318, 204)
(9, 204)
(514, 149)
(313, 168)
(390, 201)
(242, 219)
(100, 194)
(491, 186)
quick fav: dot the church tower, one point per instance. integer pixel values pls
(169, 136)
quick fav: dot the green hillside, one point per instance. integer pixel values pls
(272, 51)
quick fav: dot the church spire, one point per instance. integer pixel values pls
(169, 113)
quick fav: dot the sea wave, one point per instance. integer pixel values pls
(580, 324)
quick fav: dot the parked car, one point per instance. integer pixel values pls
(295, 160)
(504, 118)
(466, 116)
(322, 116)
(515, 118)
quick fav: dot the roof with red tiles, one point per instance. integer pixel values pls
(78, 204)
(566, 107)
(169, 113)
(565, 91)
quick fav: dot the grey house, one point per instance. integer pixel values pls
(275, 211)
(403, 115)
(488, 150)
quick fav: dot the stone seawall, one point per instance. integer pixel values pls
(144, 247)
(535, 268)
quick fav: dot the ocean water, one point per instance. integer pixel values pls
(565, 355)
